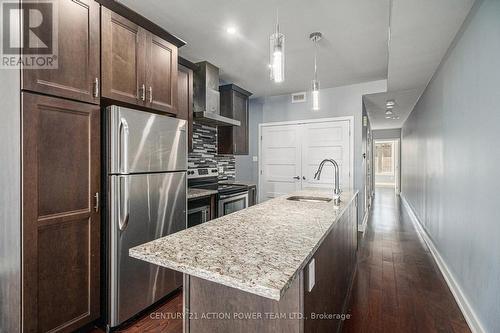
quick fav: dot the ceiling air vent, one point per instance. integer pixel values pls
(299, 97)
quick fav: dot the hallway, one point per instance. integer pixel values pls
(398, 287)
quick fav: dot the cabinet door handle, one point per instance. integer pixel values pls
(96, 87)
(150, 94)
(96, 207)
(296, 177)
(142, 92)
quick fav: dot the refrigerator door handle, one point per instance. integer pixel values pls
(124, 134)
(124, 204)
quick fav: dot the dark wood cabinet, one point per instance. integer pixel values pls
(331, 290)
(233, 104)
(138, 67)
(161, 78)
(61, 215)
(252, 195)
(123, 59)
(185, 100)
(77, 73)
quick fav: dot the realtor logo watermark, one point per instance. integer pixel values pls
(29, 34)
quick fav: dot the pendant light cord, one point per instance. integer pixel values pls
(277, 23)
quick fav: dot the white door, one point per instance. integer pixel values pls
(281, 160)
(325, 140)
(291, 154)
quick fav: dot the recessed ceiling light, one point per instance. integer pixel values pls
(388, 117)
(231, 30)
(390, 102)
(389, 111)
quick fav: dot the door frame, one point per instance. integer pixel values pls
(397, 162)
(350, 119)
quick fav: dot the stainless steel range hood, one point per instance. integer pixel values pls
(206, 96)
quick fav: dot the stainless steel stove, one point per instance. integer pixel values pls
(230, 197)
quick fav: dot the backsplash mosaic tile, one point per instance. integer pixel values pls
(228, 164)
(205, 155)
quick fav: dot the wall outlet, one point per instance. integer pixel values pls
(255, 158)
(221, 169)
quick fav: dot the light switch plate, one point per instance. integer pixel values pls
(311, 275)
(255, 158)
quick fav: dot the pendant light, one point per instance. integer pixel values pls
(315, 37)
(277, 54)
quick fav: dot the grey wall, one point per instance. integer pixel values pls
(10, 202)
(451, 154)
(394, 133)
(334, 102)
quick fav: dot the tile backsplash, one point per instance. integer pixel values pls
(205, 155)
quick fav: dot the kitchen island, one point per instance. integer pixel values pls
(280, 266)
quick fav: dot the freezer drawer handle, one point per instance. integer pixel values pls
(124, 145)
(124, 204)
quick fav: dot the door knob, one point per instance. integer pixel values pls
(296, 177)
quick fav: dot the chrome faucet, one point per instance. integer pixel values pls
(336, 190)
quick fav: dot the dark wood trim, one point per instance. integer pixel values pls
(105, 102)
(141, 21)
(183, 92)
(235, 88)
(186, 63)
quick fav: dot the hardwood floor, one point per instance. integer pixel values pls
(398, 287)
(165, 319)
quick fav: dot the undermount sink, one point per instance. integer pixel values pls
(308, 198)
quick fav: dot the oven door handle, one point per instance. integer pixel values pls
(237, 195)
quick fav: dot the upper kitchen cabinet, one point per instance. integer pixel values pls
(77, 73)
(138, 67)
(123, 59)
(185, 99)
(233, 104)
(161, 80)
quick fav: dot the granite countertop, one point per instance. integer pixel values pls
(194, 193)
(260, 250)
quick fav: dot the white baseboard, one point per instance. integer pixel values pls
(362, 227)
(464, 305)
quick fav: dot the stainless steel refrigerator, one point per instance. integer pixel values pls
(146, 199)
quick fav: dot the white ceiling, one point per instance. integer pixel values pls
(353, 50)
(375, 105)
(421, 33)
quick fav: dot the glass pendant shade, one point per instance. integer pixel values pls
(277, 56)
(315, 95)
